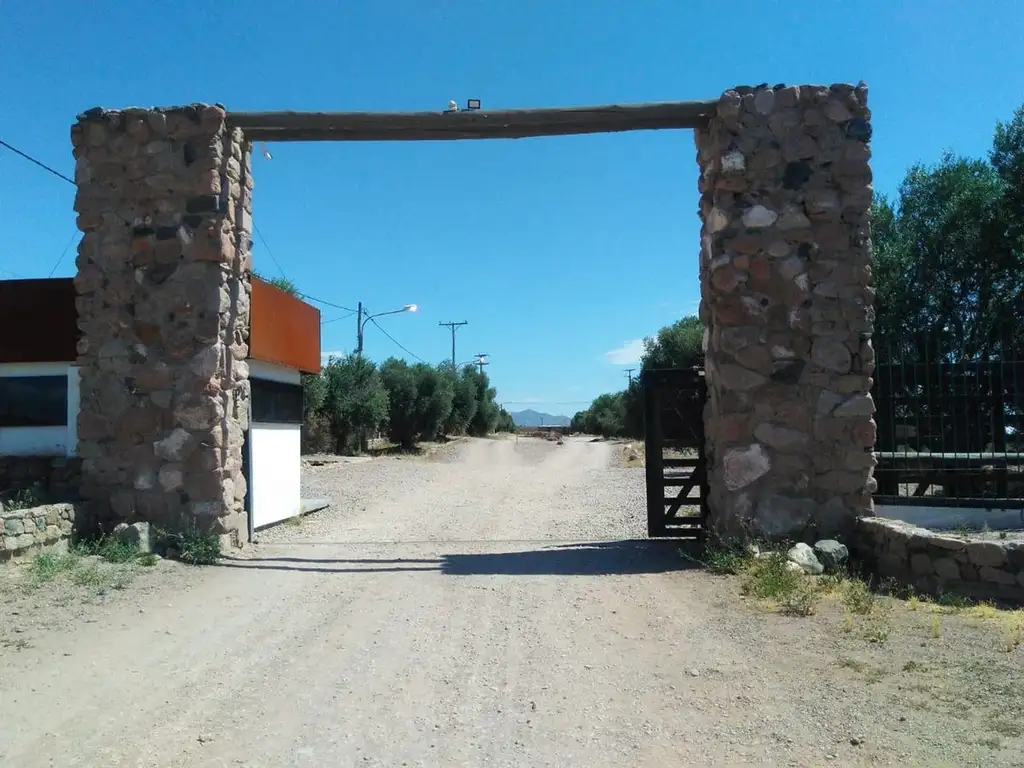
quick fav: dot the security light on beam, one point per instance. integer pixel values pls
(473, 104)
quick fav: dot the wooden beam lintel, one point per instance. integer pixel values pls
(474, 124)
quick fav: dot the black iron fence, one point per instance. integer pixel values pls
(950, 434)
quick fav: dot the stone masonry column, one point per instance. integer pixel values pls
(788, 306)
(164, 268)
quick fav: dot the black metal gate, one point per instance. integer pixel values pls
(674, 446)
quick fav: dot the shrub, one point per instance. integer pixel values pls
(771, 578)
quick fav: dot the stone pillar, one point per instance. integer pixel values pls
(787, 302)
(164, 267)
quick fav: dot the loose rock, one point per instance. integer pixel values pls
(832, 555)
(803, 556)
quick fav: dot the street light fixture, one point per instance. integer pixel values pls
(362, 318)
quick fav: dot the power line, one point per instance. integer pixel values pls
(63, 253)
(328, 304)
(399, 344)
(41, 164)
(336, 319)
(265, 245)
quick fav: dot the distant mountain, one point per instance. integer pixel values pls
(531, 418)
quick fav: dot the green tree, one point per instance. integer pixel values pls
(505, 421)
(621, 414)
(356, 402)
(435, 394)
(606, 416)
(485, 416)
(399, 380)
(946, 275)
(675, 346)
(464, 403)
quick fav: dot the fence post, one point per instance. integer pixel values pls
(653, 465)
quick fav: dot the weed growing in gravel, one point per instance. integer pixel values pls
(46, 566)
(831, 581)
(109, 548)
(854, 664)
(802, 601)
(936, 624)
(147, 559)
(877, 633)
(770, 578)
(93, 565)
(727, 557)
(953, 601)
(196, 548)
(118, 551)
(858, 597)
(99, 577)
(1011, 630)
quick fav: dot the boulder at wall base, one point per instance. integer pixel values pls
(831, 554)
(803, 555)
(138, 534)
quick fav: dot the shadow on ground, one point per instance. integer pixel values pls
(602, 558)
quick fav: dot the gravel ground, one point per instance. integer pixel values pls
(492, 606)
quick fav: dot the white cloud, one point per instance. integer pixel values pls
(629, 352)
(324, 356)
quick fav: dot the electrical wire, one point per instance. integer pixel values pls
(397, 343)
(41, 164)
(256, 227)
(336, 319)
(59, 175)
(263, 240)
(328, 303)
(63, 254)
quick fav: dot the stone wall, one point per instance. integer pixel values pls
(933, 563)
(53, 478)
(788, 307)
(164, 202)
(25, 529)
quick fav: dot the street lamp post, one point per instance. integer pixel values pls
(362, 318)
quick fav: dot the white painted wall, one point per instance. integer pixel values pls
(270, 372)
(275, 463)
(43, 441)
(275, 469)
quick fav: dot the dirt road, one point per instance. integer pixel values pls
(491, 607)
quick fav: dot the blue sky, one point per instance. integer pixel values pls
(562, 253)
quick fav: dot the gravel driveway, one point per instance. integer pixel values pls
(490, 606)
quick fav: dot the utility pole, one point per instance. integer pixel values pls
(629, 373)
(359, 328)
(482, 360)
(454, 327)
